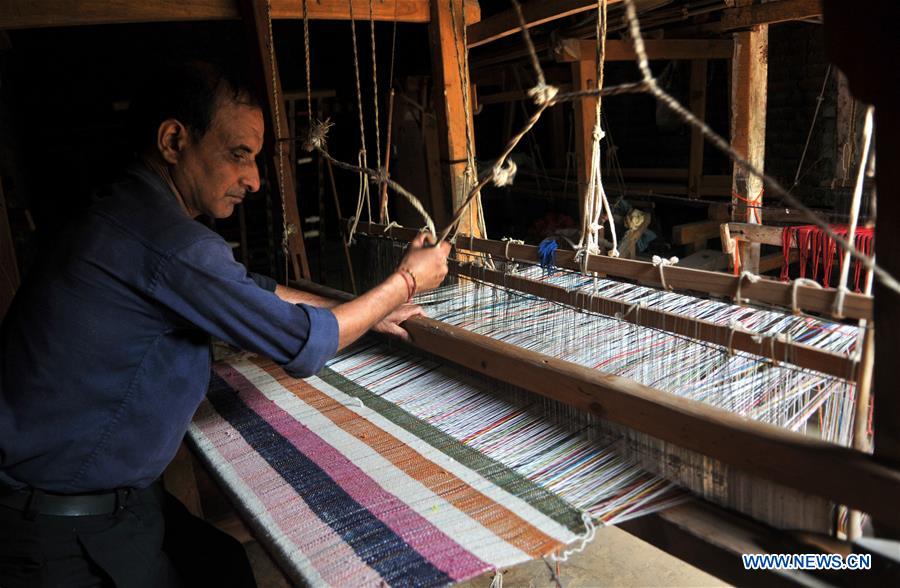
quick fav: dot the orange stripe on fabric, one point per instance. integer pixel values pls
(495, 517)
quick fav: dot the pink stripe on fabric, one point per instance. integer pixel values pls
(334, 559)
(439, 549)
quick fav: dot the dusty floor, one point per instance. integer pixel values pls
(615, 558)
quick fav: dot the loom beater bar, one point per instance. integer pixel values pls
(810, 465)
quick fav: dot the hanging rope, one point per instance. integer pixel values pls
(363, 194)
(287, 229)
(595, 202)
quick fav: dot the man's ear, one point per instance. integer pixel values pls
(171, 139)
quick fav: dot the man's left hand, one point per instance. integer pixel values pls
(390, 325)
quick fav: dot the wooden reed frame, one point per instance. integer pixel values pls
(778, 350)
(774, 292)
(813, 466)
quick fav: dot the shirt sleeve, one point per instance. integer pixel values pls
(203, 284)
(264, 282)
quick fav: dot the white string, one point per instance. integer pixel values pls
(583, 541)
(745, 275)
(497, 581)
(661, 263)
(795, 285)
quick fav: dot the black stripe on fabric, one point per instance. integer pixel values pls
(373, 541)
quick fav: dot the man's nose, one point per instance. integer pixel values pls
(250, 180)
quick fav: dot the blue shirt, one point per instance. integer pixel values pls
(104, 352)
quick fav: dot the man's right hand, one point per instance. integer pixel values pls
(428, 264)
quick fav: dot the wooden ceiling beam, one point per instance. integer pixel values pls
(27, 14)
(769, 13)
(619, 50)
(535, 12)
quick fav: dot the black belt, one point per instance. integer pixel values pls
(33, 502)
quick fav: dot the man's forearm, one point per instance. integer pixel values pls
(300, 297)
(362, 313)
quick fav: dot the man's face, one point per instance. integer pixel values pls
(216, 171)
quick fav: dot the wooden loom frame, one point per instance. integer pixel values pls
(21, 14)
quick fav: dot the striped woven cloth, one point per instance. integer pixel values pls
(346, 489)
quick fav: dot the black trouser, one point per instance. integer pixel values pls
(152, 541)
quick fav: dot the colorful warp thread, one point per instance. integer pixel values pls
(818, 250)
(347, 489)
(768, 389)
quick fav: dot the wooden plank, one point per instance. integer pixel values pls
(535, 12)
(278, 153)
(9, 268)
(698, 109)
(810, 465)
(774, 261)
(18, 14)
(749, 86)
(714, 539)
(622, 50)
(834, 364)
(754, 233)
(775, 292)
(706, 259)
(693, 232)
(743, 17)
(447, 48)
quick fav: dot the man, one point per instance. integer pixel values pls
(105, 350)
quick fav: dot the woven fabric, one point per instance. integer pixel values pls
(348, 490)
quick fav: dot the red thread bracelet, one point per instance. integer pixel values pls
(411, 283)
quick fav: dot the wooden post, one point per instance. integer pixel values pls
(9, 269)
(256, 18)
(698, 109)
(749, 85)
(584, 77)
(447, 49)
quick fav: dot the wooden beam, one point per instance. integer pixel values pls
(810, 465)
(774, 261)
(584, 77)
(698, 109)
(749, 86)
(754, 233)
(744, 17)
(278, 152)
(775, 292)
(618, 50)
(714, 539)
(21, 14)
(805, 356)
(693, 232)
(535, 12)
(447, 48)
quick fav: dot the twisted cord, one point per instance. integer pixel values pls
(286, 229)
